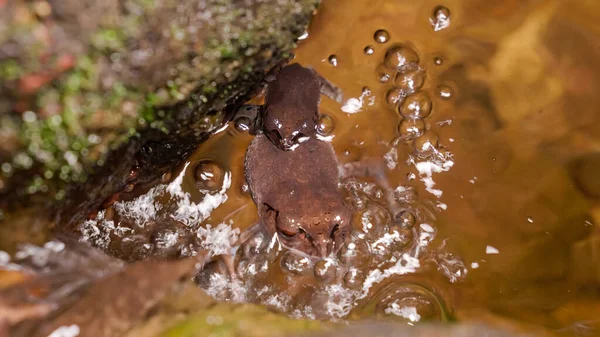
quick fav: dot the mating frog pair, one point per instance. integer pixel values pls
(293, 176)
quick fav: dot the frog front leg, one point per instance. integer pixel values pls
(329, 89)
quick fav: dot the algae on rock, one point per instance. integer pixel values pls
(139, 80)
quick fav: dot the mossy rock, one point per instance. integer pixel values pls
(90, 90)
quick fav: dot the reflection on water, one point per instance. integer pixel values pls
(484, 115)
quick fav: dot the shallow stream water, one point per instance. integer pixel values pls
(485, 115)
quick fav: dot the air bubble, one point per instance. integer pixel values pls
(209, 175)
(427, 142)
(381, 36)
(411, 308)
(366, 91)
(410, 81)
(372, 221)
(354, 278)
(393, 97)
(369, 50)
(401, 58)
(252, 247)
(445, 91)
(333, 60)
(325, 271)
(405, 219)
(405, 194)
(408, 302)
(325, 125)
(402, 237)
(416, 106)
(440, 18)
(411, 128)
(355, 253)
(438, 61)
(383, 74)
(242, 124)
(214, 268)
(294, 264)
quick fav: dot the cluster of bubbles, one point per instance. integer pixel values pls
(364, 278)
(404, 77)
(359, 279)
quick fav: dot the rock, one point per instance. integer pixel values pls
(91, 90)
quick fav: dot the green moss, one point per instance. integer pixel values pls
(243, 320)
(10, 70)
(87, 120)
(108, 39)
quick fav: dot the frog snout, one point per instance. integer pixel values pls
(322, 245)
(326, 243)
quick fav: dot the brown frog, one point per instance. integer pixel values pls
(294, 177)
(291, 111)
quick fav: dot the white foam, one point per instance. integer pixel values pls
(190, 213)
(491, 250)
(218, 240)
(428, 168)
(352, 105)
(97, 231)
(66, 331)
(141, 209)
(407, 312)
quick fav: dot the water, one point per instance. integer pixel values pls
(485, 116)
(511, 104)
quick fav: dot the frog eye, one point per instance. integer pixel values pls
(275, 136)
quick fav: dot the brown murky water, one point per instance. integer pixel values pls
(486, 116)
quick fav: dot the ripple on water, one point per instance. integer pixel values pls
(408, 302)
